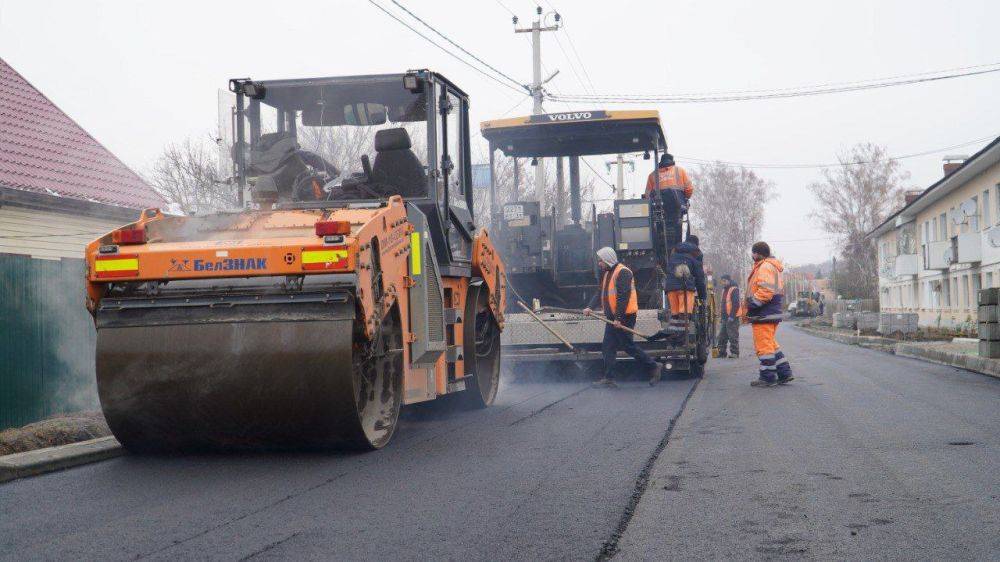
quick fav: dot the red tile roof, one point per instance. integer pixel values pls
(43, 150)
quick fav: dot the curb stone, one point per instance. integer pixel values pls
(982, 365)
(50, 459)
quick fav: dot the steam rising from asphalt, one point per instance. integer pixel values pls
(72, 336)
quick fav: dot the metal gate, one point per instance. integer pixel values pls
(46, 340)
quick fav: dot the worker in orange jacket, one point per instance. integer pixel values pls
(669, 175)
(765, 294)
(620, 302)
(729, 332)
(671, 183)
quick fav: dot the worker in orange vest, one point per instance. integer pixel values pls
(674, 188)
(729, 332)
(620, 304)
(765, 294)
(669, 175)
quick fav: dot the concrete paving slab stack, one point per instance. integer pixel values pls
(868, 321)
(897, 323)
(989, 323)
(844, 320)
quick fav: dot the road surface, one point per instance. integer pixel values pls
(544, 474)
(859, 458)
(865, 456)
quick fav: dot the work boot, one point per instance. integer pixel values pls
(605, 382)
(763, 382)
(786, 380)
(655, 373)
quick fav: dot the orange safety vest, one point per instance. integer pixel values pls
(727, 299)
(611, 292)
(673, 177)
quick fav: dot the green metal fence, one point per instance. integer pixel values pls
(46, 340)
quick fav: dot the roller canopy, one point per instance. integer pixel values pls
(576, 133)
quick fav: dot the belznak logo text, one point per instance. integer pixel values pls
(570, 116)
(231, 264)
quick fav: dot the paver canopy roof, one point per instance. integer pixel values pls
(43, 150)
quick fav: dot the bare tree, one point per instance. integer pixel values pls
(187, 176)
(853, 198)
(727, 213)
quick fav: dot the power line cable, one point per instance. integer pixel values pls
(596, 173)
(772, 94)
(453, 55)
(504, 6)
(572, 45)
(868, 81)
(515, 106)
(832, 165)
(836, 84)
(461, 48)
(569, 61)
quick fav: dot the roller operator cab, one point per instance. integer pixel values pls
(562, 270)
(352, 278)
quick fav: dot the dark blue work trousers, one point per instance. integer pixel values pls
(616, 340)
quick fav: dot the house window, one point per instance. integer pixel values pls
(996, 198)
(988, 282)
(986, 210)
(943, 227)
(976, 286)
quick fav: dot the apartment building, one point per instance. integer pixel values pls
(943, 246)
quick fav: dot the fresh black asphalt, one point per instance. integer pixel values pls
(544, 474)
(865, 456)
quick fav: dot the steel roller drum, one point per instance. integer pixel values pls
(246, 377)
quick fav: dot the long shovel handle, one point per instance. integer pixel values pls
(601, 318)
(622, 327)
(546, 326)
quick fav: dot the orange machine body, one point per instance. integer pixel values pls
(285, 244)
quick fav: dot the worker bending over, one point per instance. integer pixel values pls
(621, 305)
(729, 331)
(765, 293)
(685, 279)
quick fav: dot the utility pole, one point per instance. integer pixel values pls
(620, 161)
(537, 92)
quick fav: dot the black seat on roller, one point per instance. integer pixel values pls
(396, 167)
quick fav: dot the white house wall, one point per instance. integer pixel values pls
(954, 305)
(49, 235)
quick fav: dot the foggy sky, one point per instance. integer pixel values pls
(140, 74)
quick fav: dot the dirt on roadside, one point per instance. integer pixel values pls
(56, 430)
